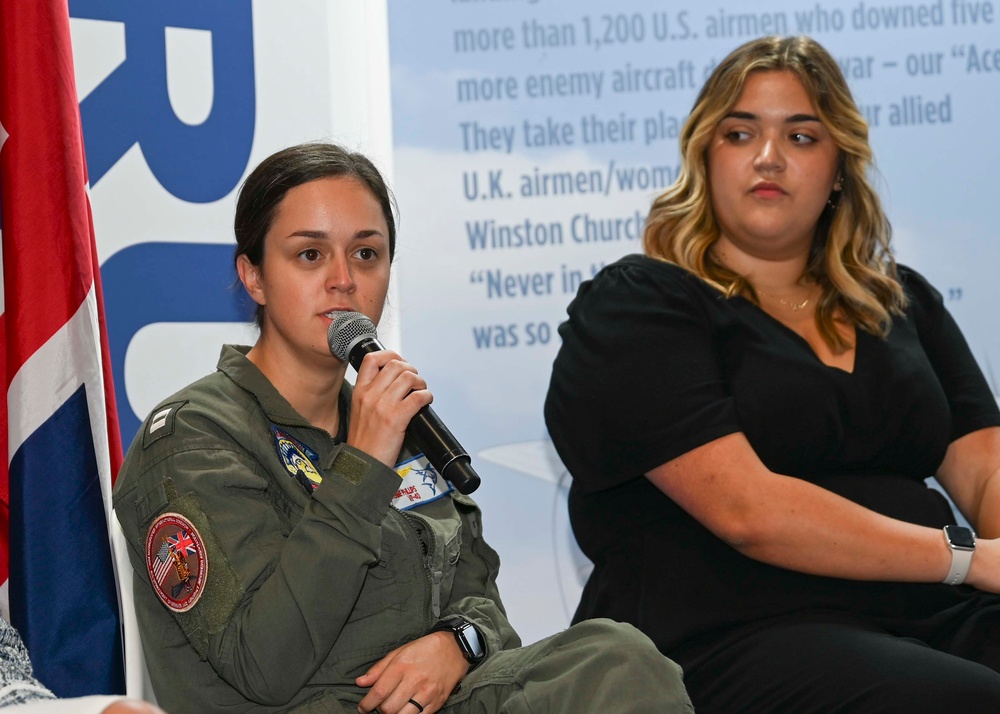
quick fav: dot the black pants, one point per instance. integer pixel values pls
(832, 662)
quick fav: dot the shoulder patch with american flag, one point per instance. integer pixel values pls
(176, 561)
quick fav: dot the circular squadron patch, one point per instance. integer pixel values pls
(176, 561)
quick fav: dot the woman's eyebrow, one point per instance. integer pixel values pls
(323, 235)
(750, 116)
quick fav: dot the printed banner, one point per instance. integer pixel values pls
(530, 139)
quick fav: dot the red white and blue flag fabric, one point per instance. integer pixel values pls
(62, 443)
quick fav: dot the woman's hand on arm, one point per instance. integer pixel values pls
(387, 395)
(426, 670)
(969, 475)
(793, 524)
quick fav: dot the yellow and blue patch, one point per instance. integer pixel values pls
(297, 458)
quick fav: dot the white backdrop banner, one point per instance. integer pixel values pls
(530, 137)
(179, 101)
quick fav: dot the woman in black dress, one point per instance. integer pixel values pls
(750, 411)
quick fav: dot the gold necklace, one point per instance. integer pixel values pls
(793, 305)
(787, 303)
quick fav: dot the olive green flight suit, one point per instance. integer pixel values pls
(305, 591)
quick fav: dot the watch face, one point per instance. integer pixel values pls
(960, 536)
(467, 637)
(473, 647)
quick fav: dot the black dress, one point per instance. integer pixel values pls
(655, 362)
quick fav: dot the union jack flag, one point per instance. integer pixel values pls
(58, 420)
(182, 543)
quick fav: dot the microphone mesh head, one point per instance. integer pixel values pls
(345, 330)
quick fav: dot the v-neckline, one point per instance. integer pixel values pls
(809, 347)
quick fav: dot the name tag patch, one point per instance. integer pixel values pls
(421, 484)
(176, 561)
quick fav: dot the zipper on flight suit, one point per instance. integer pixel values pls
(432, 593)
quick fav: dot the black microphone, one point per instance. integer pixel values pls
(352, 336)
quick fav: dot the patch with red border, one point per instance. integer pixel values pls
(176, 561)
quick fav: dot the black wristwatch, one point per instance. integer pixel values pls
(467, 636)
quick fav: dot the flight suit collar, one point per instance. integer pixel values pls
(233, 362)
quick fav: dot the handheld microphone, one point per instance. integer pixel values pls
(351, 336)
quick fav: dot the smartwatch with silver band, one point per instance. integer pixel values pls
(962, 542)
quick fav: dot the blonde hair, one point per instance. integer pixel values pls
(850, 258)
